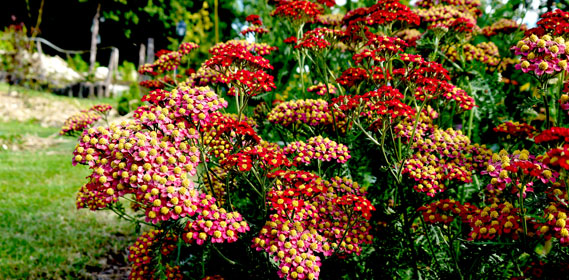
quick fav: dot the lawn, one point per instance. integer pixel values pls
(43, 235)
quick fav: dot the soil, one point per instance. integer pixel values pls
(23, 107)
(47, 112)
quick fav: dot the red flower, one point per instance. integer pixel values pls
(516, 129)
(290, 40)
(154, 96)
(556, 22)
(303, 11)
(254, 20)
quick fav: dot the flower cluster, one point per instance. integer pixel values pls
(84, 119)
(516, 129)
(551, 22)
(256, 25)
(554, 134)
(204, 76)
(214, 224)
(494, 221)
(312, 112)
(290, 40)
(318, 148)
(344, 209)
(254, 19)
(152, 84)
(502, 26)
(260, 30)
(78, 122)
(167, 61)
(239, 66)
(410, 36)
(556, 222)
(261, 49)
(187, 47)
(251, 83)
(557, 157)
(236, 53)
(101, 108)
(225, 131)
(147, 69)
(431, 89)
(292, 246)
(443, 211)
(456, 18)
(441, 156)
(152, 165)
(298, 11)
(264, 157)
(143, 251)
(318, 217)
(330, 19)
(379, 48)
(320, 38)
(424, 126)
(382, 13)
(520, 171)
(352, 76)
(544, 55)
(485, 52)
(322, 89)
(376, 106)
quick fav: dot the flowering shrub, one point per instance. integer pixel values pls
(386, 142)
(85, 119)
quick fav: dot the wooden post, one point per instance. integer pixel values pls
(93, 55)
(150, 51)
(141, 60)
(141, 54)
(39, 62)
(113, 65)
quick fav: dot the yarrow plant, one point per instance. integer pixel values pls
(385, 142)
(85, 119)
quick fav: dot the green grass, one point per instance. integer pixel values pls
(43, 235)
(85, 102)
(13, 128)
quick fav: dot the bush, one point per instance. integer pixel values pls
(398, 145)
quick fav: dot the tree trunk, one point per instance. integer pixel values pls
(93, 55)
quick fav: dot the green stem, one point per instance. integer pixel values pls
(470, 120)
(432, 248)
(546, 104)
(223, 256)
(408, 146)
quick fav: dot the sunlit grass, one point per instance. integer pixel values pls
(43, 235)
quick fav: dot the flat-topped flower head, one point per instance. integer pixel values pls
(187, 47)
(503, 26)
(322, 89)
(168, 62)
(318, 148)
(541, 55)
(516, 129)
(298, 11)
(78, 122)
(384, 12)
